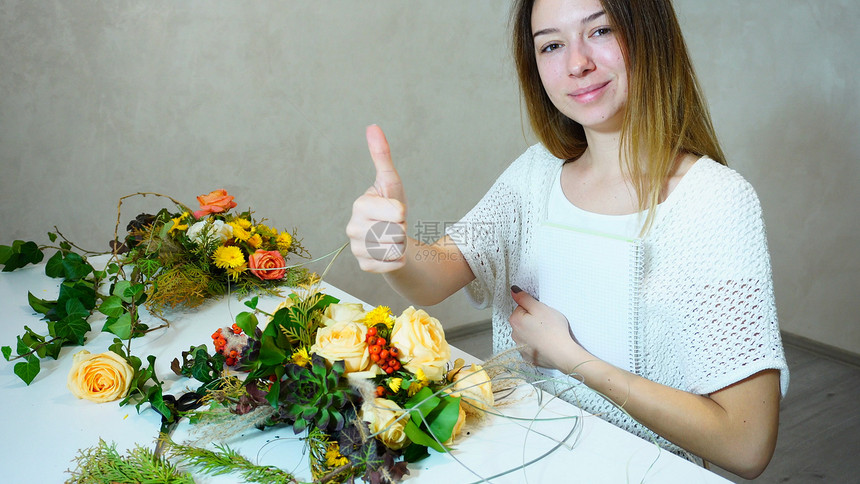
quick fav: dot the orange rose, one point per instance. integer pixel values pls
(216, 202)
(267, 265)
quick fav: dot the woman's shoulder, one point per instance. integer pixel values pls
(535, 162)
(716, 181)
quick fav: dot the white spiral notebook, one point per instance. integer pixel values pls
(594, 279)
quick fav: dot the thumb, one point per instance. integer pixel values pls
(523, 299)
(387, 182)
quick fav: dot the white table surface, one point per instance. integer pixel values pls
(44, 425)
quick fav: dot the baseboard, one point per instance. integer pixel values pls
(469, 329)
(821, 349)
(789, 339)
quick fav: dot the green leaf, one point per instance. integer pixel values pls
(7, 352)
(52, 236)
(414, 453)
(444, 417)
(28, 369)
(253, 302)
(75, 308)
(40, 305)
(73, 329)
(423, 403)
(120, 326)
(247, 322)
(274, 393)
(270, 353)
(418, 436)
(119, 290)
(112, 307)
(81, 290)
(54, 266)
(76, 267)
(5, 253)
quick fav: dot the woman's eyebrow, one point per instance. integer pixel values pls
(553, 30)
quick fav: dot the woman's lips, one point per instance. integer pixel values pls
(589, 93)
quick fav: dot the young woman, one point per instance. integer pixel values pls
(626, 147)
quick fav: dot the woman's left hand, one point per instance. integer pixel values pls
(544, 334)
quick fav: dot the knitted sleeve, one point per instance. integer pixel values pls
(720, 312)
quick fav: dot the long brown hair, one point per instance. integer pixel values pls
(666, 115)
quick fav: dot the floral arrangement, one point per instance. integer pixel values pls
(372, 391)
(369, 391)
(186, 257)
(173, 258)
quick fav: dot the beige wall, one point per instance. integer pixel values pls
(269, 100)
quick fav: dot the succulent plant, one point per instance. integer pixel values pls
(314, 396)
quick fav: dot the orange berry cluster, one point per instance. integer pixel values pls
(381, 352)
(219, 339)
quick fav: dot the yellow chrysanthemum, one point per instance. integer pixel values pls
(177, 223)
(285, 241)
(228, 257)
(394, 384)
(244, 223)
(255, 241)
(418, 383)
(333, 457)
(235, 272)
(239, 232)
(301, 357)
(264, 230)
(380, 314)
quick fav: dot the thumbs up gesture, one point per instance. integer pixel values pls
(377, 229)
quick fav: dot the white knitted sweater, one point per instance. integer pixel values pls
(707, 313)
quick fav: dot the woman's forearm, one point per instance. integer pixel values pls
(431, 272)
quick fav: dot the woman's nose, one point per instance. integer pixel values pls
(579, 61)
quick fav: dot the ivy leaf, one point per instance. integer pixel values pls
(119, 290)
(73, 329)
(40, 305)
(120, 326)
(54, 266)
(52, 236)
(112, 307)
(5, 253)
(28, 369)
(76, 267)
(82, 290)
(7, 352)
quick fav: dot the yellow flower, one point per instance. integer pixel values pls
(239, 232)
(101, 378)
(301, 357)
(244, 223)
(264, 230)
(394, 384)
(418, 383)
(380, 314)
(235, 272)
(228, 257)
(285, 241)
(177, 223)
(255, 241)
(421, 341)
(333, 457)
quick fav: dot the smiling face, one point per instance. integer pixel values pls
(580, 62)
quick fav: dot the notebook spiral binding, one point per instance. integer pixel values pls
(638, 273)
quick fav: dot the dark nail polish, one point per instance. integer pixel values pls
(516, 289)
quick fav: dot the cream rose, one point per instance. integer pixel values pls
(336, 313)
(344, 341)
(382, 416)
(421, 342)
(101, 378)
(213, 229)
(473, 385)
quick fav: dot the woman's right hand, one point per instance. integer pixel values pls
(377, 229)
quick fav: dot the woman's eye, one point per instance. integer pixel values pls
(550, 47)
(601, 32)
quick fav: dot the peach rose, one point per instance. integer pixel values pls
(101, 378)
(267, 265)
(344, 341)
(473, 385)
(216, 201)
(381, 416)
(336, 313)
(421, 342)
